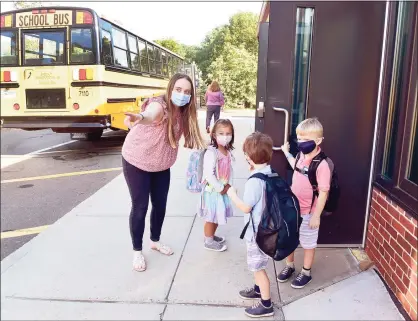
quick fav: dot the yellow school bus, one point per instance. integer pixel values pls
(72, 71)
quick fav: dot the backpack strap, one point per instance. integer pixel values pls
(244, 230)
(313, 167)
(215, 151)
(215, 163)
(303, 172)
(265, 178)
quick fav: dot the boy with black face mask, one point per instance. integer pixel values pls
(310, 135)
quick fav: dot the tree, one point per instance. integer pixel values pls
(172, 45)
(236, 72)
(34, 4)
(210, 49)
(190, 53)
(243, 31)
(229, 55)
(187, 52)
(27, 4)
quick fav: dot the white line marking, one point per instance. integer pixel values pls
(48, 148)
(7, 160)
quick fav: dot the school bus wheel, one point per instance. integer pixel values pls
(96, 135)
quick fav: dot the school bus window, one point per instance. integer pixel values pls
(8, 48)
(180, 65)
(158, 64)
(174, 65)
(151, 55)
(43, 48)
(133, 50)
(107, 57)
(82, 46)
(165, 66)
(142, 47)
(169, 62)
(119, 48)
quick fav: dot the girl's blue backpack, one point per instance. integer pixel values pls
(194, 172)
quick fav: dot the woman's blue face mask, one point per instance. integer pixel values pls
(180, 99)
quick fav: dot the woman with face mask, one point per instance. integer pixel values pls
(149, 150)
(214, 103)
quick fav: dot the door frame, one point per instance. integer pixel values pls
(281, 99)
(377, 121)
(262, 70)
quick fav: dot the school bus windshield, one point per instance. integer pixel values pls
(43, 47)
(48, 47)
(8, 48)
(44, 36)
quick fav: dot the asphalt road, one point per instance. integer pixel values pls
(33, 194)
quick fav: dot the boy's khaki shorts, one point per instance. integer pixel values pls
(308, 237)
(256, 259)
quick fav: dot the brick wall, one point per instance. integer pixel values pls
(392, 245)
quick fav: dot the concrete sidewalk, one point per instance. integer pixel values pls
(231, 112)
(80, 268)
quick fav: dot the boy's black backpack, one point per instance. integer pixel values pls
(334, 191)
(278, 231)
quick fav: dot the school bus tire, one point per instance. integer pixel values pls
(96, 135)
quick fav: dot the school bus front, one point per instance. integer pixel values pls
(42, 52)
(71, 71)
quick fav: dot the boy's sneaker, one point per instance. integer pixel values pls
(259, 310)
(215, 246)
(249, 294)
(285, 274)
(301, 281)
(219, 239)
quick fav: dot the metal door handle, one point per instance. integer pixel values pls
(286, 125)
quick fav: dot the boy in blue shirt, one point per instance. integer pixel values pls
(258, 150)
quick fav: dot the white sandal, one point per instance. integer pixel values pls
(163, 249)
(139, 263)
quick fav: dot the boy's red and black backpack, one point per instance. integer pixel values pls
(334, 191)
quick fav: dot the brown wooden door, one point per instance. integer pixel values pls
(324, 61)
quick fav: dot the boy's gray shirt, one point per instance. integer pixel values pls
(254, 196)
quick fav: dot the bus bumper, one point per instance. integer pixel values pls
(66, 124)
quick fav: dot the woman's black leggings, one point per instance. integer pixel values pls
(214, 111)
(141, 185)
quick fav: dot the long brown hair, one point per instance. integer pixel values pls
(214, 86)
(191, 131)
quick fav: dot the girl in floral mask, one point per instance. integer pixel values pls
(215, 206)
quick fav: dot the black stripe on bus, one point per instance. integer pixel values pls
(134, 72)
(121, 100)
(7, 85)
(111, 84)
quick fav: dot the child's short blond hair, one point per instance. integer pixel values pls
(310, 127)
